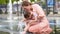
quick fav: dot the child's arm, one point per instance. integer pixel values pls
(27, 27)
(34, 20)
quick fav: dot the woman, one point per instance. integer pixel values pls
(42, 25)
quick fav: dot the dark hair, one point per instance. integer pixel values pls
(26, 3)
(26, 14)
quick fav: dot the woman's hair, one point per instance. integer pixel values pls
(26, 3)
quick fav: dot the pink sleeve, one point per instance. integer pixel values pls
(39, 10)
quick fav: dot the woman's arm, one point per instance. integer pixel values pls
(39, 11)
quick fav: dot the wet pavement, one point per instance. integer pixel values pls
(17, 25)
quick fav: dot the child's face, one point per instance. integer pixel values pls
(30, 16)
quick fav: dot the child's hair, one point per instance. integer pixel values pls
(26, 15)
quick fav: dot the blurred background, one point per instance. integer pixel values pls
(11, 15)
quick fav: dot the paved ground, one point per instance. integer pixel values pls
(4, 17)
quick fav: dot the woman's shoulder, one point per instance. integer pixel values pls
(35, 5)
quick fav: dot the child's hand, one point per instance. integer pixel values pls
(40, 17)
(24, 32)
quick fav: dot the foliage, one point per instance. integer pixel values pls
(6, 1)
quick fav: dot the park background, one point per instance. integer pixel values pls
(11, 15)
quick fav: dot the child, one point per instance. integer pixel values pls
(31, 17)
(31, 20)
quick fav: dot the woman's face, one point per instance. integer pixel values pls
(27, 8)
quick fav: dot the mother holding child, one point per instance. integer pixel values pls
(35, 19)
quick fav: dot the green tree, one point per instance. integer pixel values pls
(14, 0)
(6, 1)
(58, 0)
(3, 1)
(38, 0)
(32, 0)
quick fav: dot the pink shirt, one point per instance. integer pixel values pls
(44, 24)
(41, 13)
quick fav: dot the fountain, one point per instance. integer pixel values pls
(10, 9)
(21, 24)
(3, 9)
(10, 15)
(11, 18)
